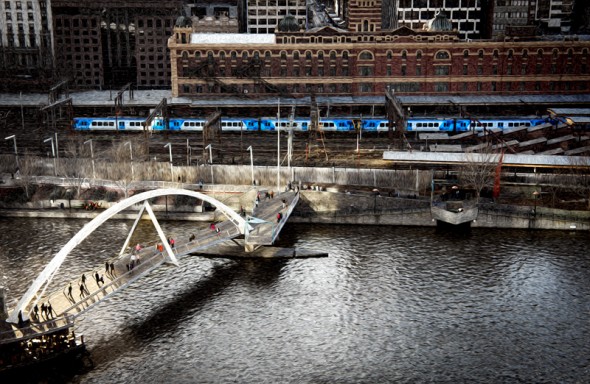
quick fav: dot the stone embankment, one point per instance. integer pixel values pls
(321, 206)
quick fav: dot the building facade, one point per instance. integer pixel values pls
(26, 42)
(103, 44)
(333, 62)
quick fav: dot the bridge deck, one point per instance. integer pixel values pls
(83, 296)
(67, 303)
(265, 223)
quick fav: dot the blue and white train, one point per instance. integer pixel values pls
(333, 124)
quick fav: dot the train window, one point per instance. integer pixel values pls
(111, 124)
(500, 125)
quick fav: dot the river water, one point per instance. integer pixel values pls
(389, 305)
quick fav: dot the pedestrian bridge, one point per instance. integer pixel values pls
(43, 310)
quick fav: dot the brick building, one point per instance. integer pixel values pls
(365, 60)
(108, 43)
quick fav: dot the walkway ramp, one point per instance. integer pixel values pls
(264, 221)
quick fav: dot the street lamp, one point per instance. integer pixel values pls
(13, 137)
(279, 147)
(210, 154)
(535, 197)
(251, 163)
(53, 153)
(92, 157)
(131, 153)
(169, 145)
(211, 162)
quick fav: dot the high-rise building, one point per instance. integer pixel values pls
(264, 15)
(26, 44)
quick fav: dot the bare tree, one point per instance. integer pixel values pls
(579, 180)
(30, 166)
(479, 169)
(122, 170)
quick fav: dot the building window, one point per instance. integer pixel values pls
(480, 53)
(403, 70)
(441, 87)
(479, 86)
(366, 87)
(442, 55)
(419, 55)
(366, 55)
(494, 86)
(441, 70)
(523, 69)
(525, 53)
(404, 55)
(510, 53)
(479, 70)
(465, 54)
(365, 71)
(389, 70)
(494, 69)
(538, 68)
(465, 69)
(418, 70)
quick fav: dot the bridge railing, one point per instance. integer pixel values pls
(37, 329)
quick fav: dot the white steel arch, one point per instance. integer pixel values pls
(47, 274)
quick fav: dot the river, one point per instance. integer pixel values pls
(389, 305)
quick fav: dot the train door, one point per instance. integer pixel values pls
(121, 125)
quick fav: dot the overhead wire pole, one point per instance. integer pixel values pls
(279, 147)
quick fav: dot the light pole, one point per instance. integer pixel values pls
(188, 153)
(131, 154)
(56, 146)
(53, 153)
(211, 161)
(535, 197)
(251, 163)
(279, 147)
(92, 157)
(13, 137)
(210, 153)
(169, 145)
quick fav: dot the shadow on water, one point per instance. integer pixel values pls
(171, 314)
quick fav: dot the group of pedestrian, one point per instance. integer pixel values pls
(134, 261)
(109, 269)
(171, 242)
(47, 312)
(83, 289)
(99, 279)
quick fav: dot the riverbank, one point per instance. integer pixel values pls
(325, 207)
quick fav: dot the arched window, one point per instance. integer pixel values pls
(256, 55)
(267, 55)
(296, 55)
(222, 55)
(332, 55)
(539, 54)
(442, 55)
(345, 55)
(389, 55)
(466, 54)
(510, 53)
(480, 53)
(495, 54)
(525, 53)
(366, 55)
(419, 55)
(366, 25)
(404, 55)
(234, 55)
(184, 55)
(283, 55)
(308, 55)
(570, 53)
(197, 55)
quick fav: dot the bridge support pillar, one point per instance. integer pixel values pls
(249, 248)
